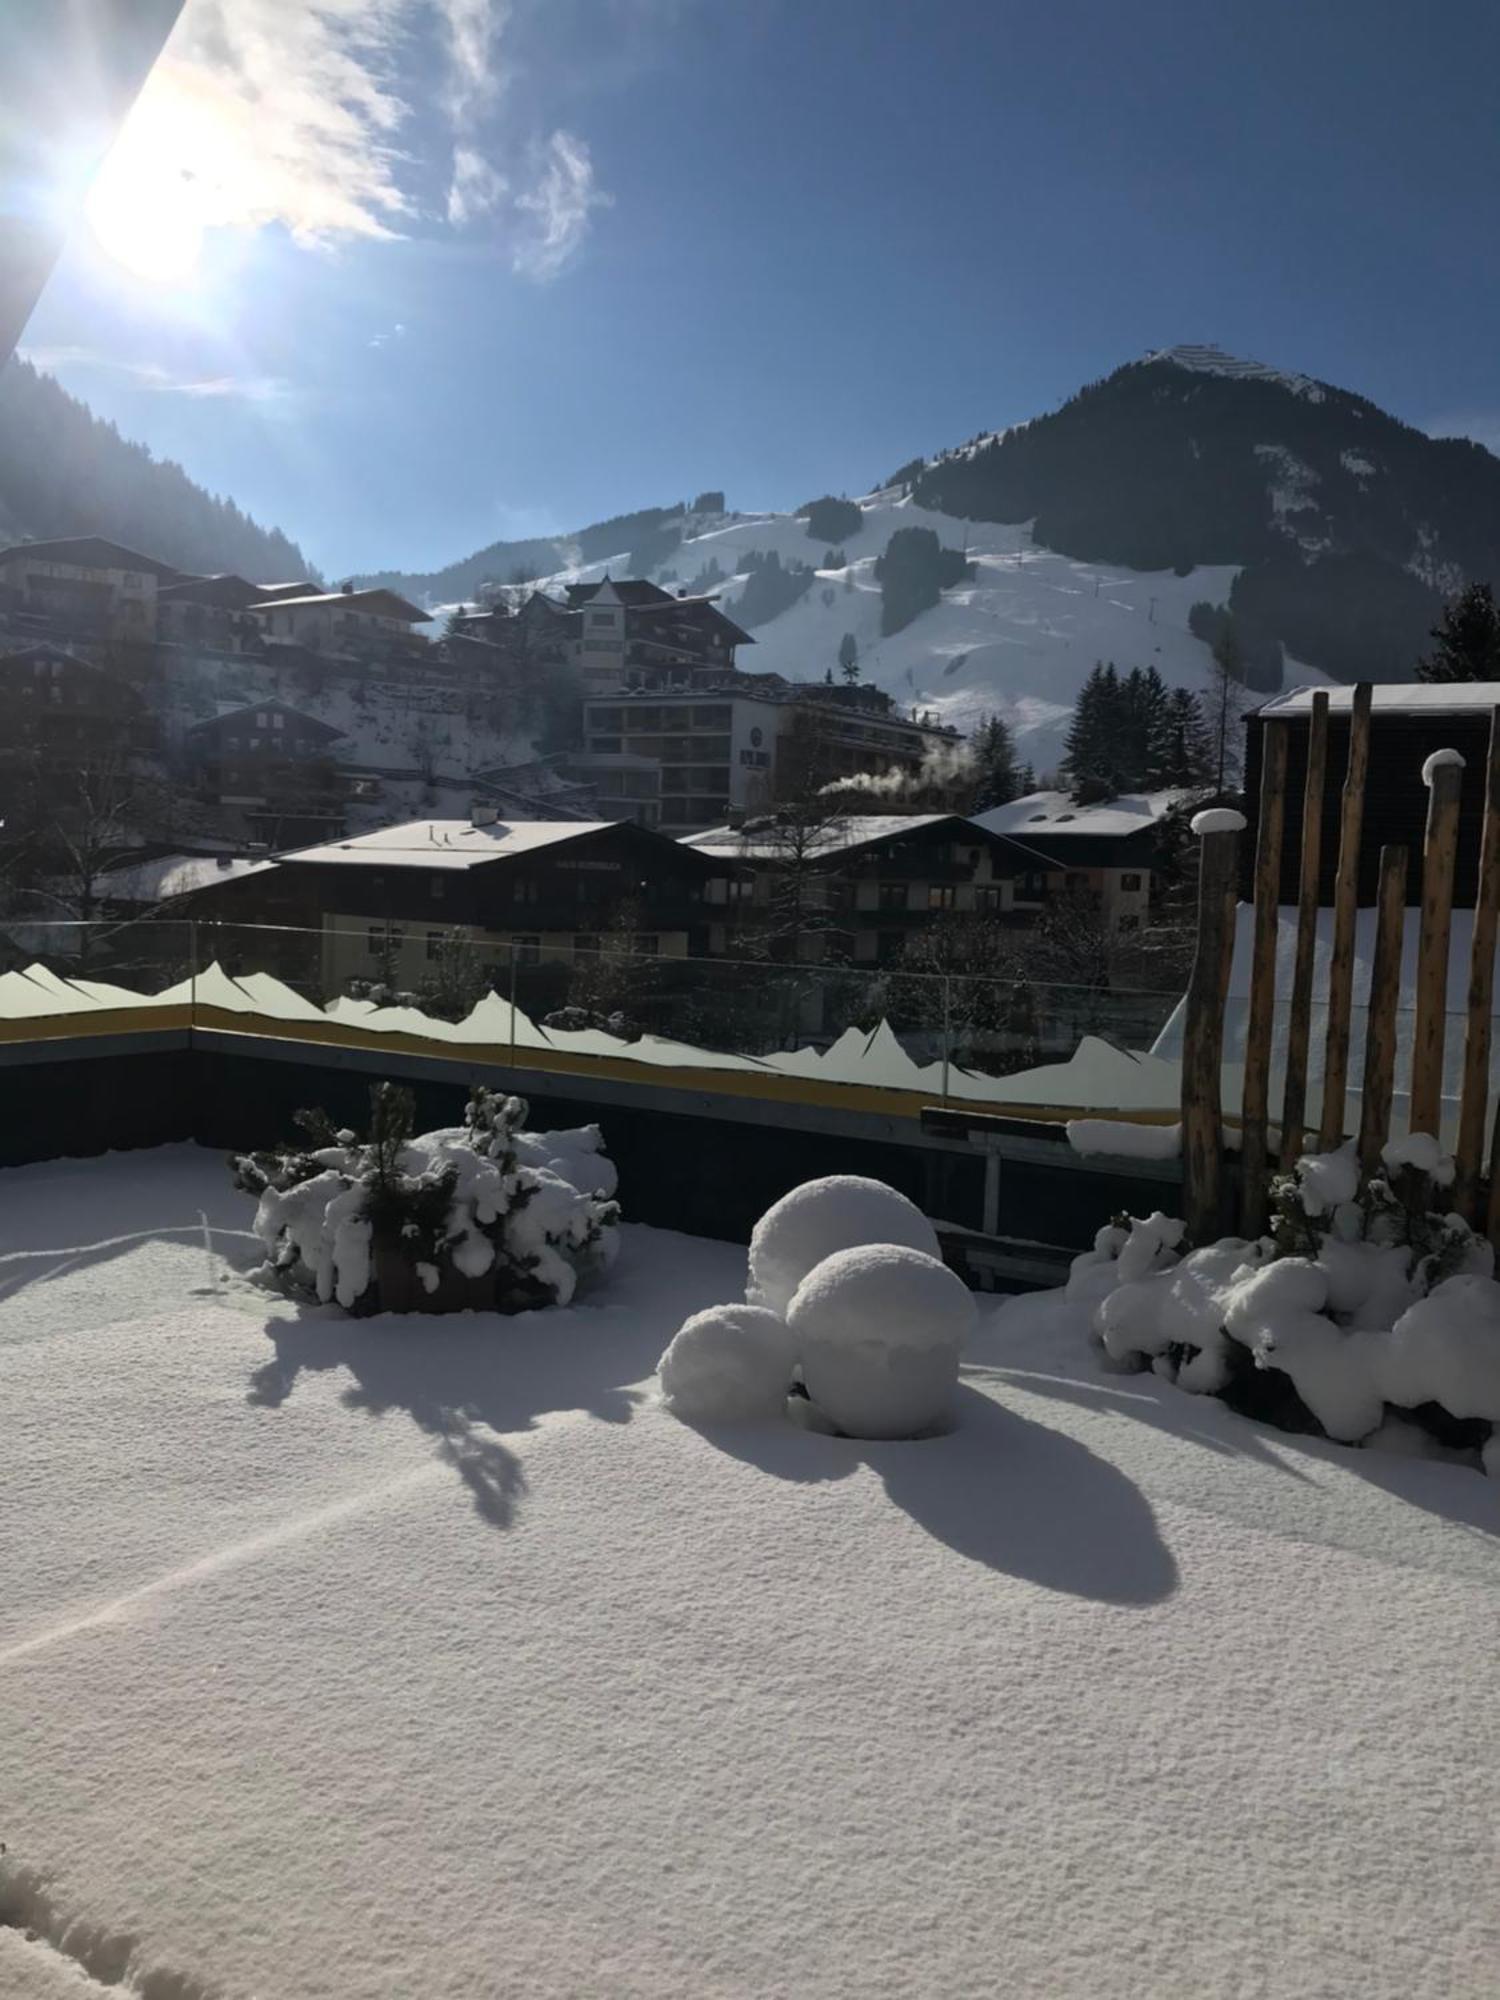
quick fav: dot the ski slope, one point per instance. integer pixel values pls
(1018, 641)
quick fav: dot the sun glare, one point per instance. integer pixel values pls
(160, 187)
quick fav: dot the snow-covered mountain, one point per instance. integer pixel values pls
(1125, 526)
(1019, 640)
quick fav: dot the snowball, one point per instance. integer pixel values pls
(1437, 761)
(879, 1329)
(839, 1212)
(1422, 1151)
(1218, 819)
(730, 1364)
(1123, 1140)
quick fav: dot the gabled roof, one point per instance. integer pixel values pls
(1056, 815)
(759, 839)
(232, 715)
(384, 603)
(455, 844)
(93, 552)
(633, 590)
(227, 592)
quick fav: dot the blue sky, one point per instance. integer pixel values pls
(482, 268)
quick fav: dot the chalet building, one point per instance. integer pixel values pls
(84, 586)
(1104, 856)
(617, 635)
(385, 903)
(212, 613)
(376, 625)
(58, 711)
(270, 769)
(718, 748)
(854, 889)
(1408, 721)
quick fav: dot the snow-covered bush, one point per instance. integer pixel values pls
(1367, 1306)
(839, 1212)
(482, 1214)
(879, 1330)
(730, 1364)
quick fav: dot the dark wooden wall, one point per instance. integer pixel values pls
(1395, 798)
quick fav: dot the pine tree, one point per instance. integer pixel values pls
(1090, 751)
(1181, 755)
(1468, 639)
(849, 658)
(996, 779)
(1224, 707)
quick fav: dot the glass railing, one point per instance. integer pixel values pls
(883, 1028)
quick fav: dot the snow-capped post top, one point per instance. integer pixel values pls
(1218, 819)
(1436, 762)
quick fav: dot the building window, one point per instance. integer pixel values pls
(1033, 887)
(436, 887)
(739, 889)
(988, 899)
(524, 890)
(528, 950)
(278, 720)
(375, 940)
(434, 943)
(262, 721)
(1130, 881)
(942, 896)
(648, 944)
(601, 618)
(892, 896)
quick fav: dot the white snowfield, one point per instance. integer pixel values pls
(365, 1661)
(1019, 639)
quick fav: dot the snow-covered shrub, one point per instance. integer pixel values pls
(879, 1330)
(839, 1212)
(482, 1214)
(729, 1364)
(1366, 1308)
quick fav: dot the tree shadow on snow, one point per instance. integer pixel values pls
(463, 1377)
(999, 1489)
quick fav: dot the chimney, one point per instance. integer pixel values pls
(222, 860)
(347, 588)
(481, 815)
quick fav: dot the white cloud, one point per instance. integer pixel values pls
(476, 189)
(559, 205)
(152, 375)
(277, 113)
(300, 113)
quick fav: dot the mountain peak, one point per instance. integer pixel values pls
(1208, 359)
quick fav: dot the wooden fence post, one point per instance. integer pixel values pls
(1203, 1029)
(1345, 901)
(1469, 1154)
(1299, 1016)
(1443, 774)
(1260, 1019)
(1380, 1022)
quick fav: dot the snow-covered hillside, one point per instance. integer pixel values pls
(1019, 640)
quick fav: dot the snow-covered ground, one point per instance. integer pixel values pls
(412, 1657)
(1019, 639)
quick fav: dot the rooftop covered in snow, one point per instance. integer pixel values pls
(1392, 698)
(447, 843)
(1056, 813)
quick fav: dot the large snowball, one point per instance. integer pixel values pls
(878, 1331)
(727, 1365)
(814, 1220)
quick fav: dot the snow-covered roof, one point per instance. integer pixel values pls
(1055, 813)
(169, 875)
(446, 843)
(1392, 698)
(758, 839)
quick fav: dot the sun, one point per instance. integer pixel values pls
(154, 196)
